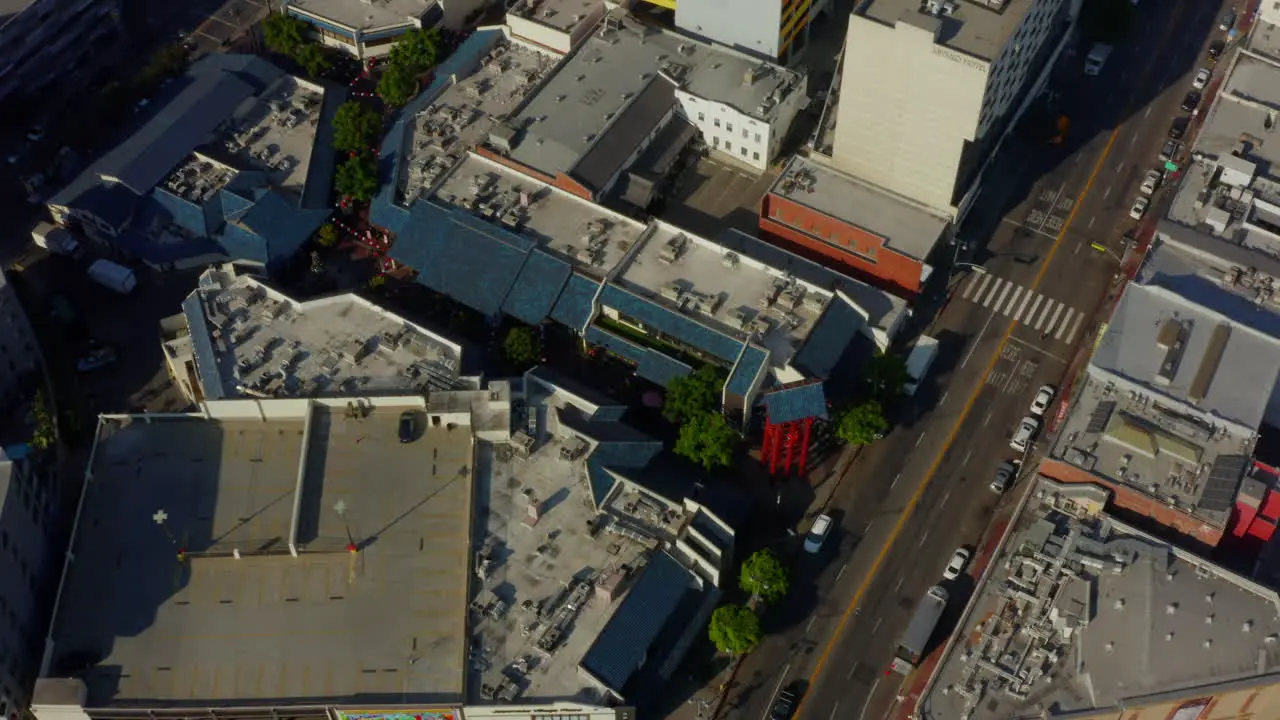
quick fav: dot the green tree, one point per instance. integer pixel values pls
(327, 235)
(355, 127)
(416, 51)
(693, 394)
(707, 439)
(522, 347)
(886, 375)
(397, 86)
(284, 33)
(764, 576)
(357, 178)
(861, 424)
(46, 432)
(313, 59)
(165, 63)
(734, 629)
(1106, 21)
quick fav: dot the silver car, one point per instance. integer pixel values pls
(1026, 432)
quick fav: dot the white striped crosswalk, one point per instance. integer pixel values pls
(1023, 305)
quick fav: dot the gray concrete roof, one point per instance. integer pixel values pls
(908, 228)
(973, 28)
(11, 9)
(593, 86)
(365, 15)
(385, 625)
(562, 15)
(1101, 613)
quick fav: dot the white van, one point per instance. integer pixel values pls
(817, 534)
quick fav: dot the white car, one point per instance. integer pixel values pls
(1139, 208)
(1202, 78)
(1151, 182)
(1026, 432)
(817, 534)
(956, 566)
(1044, 396)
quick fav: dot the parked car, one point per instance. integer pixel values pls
(956, 566)
(408, 426)
(1139, 207)
(1191, 101)
(97, 358)
(1169, 151)
(1044, 396)
(1215, 49)
(783, 706)
(1003, 479)
(817, 534)
(1151, 182)
(1178, 128)
(1228, 21)
(1026, 432)
(1202, 78)
(35, 133)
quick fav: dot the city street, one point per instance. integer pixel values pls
(1005, 329)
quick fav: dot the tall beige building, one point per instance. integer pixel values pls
(928, 90)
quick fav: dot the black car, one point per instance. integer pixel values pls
(1004, 477)
(408, 426)
(1191, 101)
(1215, 49)
(783, 706)
(1178, 128)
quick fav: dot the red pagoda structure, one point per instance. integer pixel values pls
(790, 414)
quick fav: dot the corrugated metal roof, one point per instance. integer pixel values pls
(606, 158)
(796, 403)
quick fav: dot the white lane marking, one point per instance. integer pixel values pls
(1031, 312)
(941, 505)
(986, 419)
(923, 536)
(1133, 140)
(1075, 250)
(895, 481)
(1091, 219)
(1147, 114)
(1106, 194)
(898, 587)
(974, 281)
(1044, 314)
(919, 439)
(876, 627)
(944, 397)
(834, 708)
(974, 345)
(774, 694)
(967, 455)
(1017, 292)
(982, 288)
(1065, 319)
(874, 685)
(1071, 336)
(842, 567)
(1057, 311)
(809, 627)
(1003, 294)
(995, 288)
(1025, 299)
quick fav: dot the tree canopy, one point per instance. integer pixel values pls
(707, 439)
(693, 394)
(46, 432)
(522, 347)
(416, 51)
(284, 33)
(886, 376)
(734, 629)
(312, 59)
(764, 576)
(397, 86)
(327, 235)
(357, 178)
(861, 424)
(355, 127)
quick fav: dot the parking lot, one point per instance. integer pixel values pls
(711, 195)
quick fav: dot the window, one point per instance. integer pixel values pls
(745, 133)
(715, 141)
(728, 126)
(728, 146)
(717, 122)
(755, 156)
(702, 117)
(744, 151)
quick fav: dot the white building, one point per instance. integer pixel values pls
(365, 28)
(928, 91)
(772, 29)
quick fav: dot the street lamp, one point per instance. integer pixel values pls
(1104, 249)
(161, 518)
(341, 508)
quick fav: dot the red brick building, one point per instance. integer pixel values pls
(848, 225)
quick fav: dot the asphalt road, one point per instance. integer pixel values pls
(833, 637)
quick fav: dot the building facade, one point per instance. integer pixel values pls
(25, 526)
(369, 29)
(46, 41)
(19, 355)
(772, 29)
(929, 90)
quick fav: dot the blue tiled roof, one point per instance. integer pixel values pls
(113, 204)
(537, 287)
(574, 306)
(746, 371)
(618, 345)
(283, 226)
(241, 243)
(235, 203)
(185, 214)
(622, 646)
(137, 241)
(660, 368)
(672, 323)
(797, 403)
(830, 338)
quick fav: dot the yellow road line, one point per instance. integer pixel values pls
(955, 429)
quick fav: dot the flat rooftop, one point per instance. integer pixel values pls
(611, 68)
(1083, 615)
(365, 15)
(1264, 39)
(587, 235)
(906, 227)
(562, 15)
(251, 340)
(464, 112)
(11, 9)
(980, 29)
(327, 625)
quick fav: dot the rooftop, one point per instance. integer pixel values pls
(240, 618)
(975, 28)
(573, 112)
(365, 16)
(1264, 39)
(251, 340)
(905, 226)
(461, 115)
(562, 15)
(1085, 612)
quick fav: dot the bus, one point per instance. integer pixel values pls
(914, 641)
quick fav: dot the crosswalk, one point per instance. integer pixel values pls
(1045, 315)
